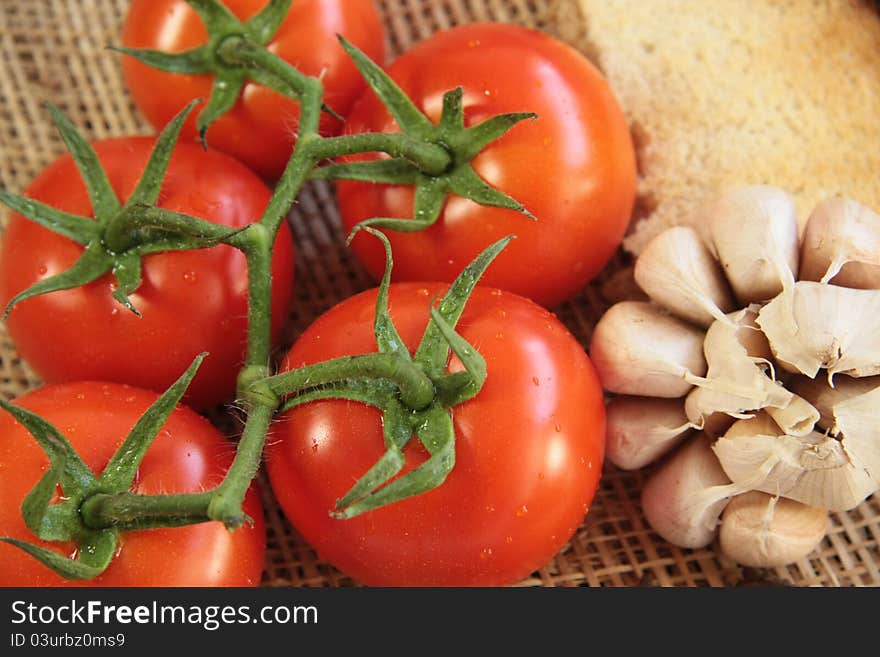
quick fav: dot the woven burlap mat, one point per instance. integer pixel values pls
(55, 50)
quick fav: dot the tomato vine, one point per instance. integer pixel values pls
(414, 392)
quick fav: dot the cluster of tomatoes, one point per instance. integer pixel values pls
(529, 446)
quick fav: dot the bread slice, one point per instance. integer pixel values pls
(728, 92)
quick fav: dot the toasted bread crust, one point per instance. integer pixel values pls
(727, 93)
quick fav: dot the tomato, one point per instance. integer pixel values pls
(529, 449)
(188, 455)
(259, 130)
(191, 301)
(573, 167)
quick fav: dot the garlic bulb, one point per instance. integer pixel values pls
(785, 389)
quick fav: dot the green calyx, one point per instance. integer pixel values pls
(235, 53)
(414, 391)
(120, 235)
(82, 514)
(432, 183)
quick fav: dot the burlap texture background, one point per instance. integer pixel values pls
(55, 50)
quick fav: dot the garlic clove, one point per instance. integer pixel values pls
(736, 382)
(856, 423)
(764, 531)
(639, 349)
(824, 398)
(814, 469)
(683, 499)
(841, 245)
(677, 271)
(813, 325)
(642, 429)
(754, 232)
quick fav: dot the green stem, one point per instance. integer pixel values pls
(227, 498)
(133, 511)
(430, 158)
(237, 51)
(416, 389)
(256, 242)
(302, 161)
(123, 230)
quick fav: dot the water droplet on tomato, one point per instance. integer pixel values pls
(496, 293)
(502, 314)
(499, 336)
(508, 539)
(43, 270)
(422, 292)
(557, 427)
(521, 511)
(190, 277)
(485, 553)
(536, 381)
(114, 311)
(80, 396)
(490, 508)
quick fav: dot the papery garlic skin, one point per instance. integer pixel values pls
(677, 271)
(738, 379)
(824, 398)
(855, 421)
(814, 469)
(755, 235)
(764, 531)
(639, 349)
(813, 326)
(841, 245)
(796, 418)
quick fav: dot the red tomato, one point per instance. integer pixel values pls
(573, 167)
(529, 449)
(188, 455)
(260, 129)
(191, 301)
